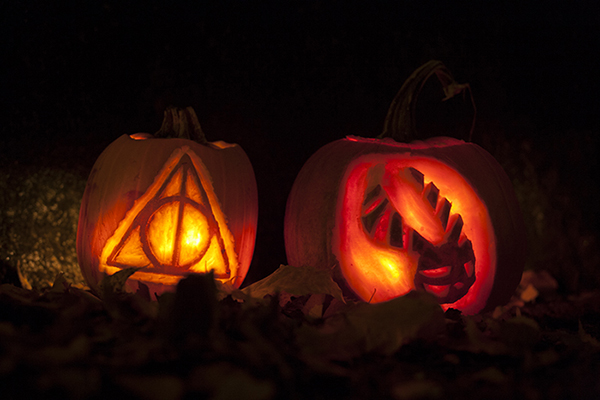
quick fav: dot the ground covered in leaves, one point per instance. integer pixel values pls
(292, 335)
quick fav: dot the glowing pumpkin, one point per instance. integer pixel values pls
(438, 215)
(169, 205)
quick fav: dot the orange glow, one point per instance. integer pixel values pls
(438, 290)
(377, 271)
(437, 272)
(194, 232)
(141, 136)
(406, 197)
(164, 226)
(174, 228)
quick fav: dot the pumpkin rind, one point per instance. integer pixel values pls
(313, 211)
(130, 165)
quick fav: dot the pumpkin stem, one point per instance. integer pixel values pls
(400, 123)
(182, 124)
(166, 129)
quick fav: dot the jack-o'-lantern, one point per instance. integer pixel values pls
(170, 204)
(387, 217)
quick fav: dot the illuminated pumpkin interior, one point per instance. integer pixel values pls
(175, 227)
(408, 222)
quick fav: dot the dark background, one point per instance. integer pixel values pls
(283, 78)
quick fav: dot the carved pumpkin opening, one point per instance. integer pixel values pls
(413, 223)
(175, 227)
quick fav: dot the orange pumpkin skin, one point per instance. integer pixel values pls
(122, 182)
(329, 202)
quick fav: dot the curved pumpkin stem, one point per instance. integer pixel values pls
(400, 122)
(182, 124)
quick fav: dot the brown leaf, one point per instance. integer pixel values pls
(379, 328)
(158, 387)
(297, 281)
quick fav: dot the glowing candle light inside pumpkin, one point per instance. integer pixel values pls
(176, 232)
(168, 204)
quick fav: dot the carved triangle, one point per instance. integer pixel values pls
(173, 227)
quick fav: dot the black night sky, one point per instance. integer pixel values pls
(283, 78)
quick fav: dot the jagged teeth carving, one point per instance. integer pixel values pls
(396, 236)
(469, 268)
(443, 211)
(418, 175)
(446, 269)
(374, 206)
(372, 195)
(431, 193)
(380, 220)
(383, 223)
(455, 228)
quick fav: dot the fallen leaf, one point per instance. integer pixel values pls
(530, 293)
(587, 338)
(159, 387)
(519, 332)
(297, 281)
(224, 381)
(478, 341)
(380, 328)
(115, 283)
(489, 375)
(417, 389)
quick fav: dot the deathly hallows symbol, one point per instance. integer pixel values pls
(406, 214)
(176, 227)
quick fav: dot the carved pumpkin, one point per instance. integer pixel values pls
(438, 215)
(170, 206)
